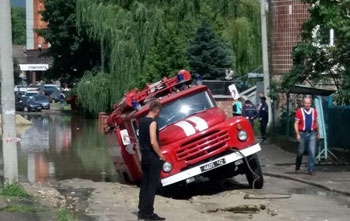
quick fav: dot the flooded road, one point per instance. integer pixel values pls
(58, 147)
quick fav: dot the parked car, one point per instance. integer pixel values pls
(26, 104)
(55, 96)
(43, 100)
(30, 94)
(53, 91)
(25, 88)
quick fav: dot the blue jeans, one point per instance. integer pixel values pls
(307, 140)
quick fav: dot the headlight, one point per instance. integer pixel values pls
(242, 135)
(167, 167)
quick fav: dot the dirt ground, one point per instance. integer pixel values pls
(114, 201)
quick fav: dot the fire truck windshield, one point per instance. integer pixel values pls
(184, 107)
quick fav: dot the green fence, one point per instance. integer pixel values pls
(338, 125)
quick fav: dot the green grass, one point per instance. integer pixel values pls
(13, 190)
(256, 128)
(21, 202)
(65, 215)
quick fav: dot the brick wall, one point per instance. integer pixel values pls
(39, 24)
(286, 19)
(225, 105)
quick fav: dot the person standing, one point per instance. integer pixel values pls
(229, 74)
(62, 98)
(151, 162)
(237, 107)
(260, 95)
(250, 112)
(306, 130)
(263, 117)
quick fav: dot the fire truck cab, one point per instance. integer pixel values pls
(196, 137)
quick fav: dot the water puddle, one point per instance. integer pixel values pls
(58, 147)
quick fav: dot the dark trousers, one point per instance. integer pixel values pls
(149, 184)
(263, 125)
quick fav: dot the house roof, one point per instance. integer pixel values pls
(302, 89)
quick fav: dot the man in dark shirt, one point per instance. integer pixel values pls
(263, 117)
(250, 112)
(151, 162)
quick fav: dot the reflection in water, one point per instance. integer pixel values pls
(58, 147)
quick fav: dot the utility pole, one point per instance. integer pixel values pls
(265, 56)
(9, 137)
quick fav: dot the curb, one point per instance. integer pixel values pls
(346, 193)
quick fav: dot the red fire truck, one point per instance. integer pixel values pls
(197, 138)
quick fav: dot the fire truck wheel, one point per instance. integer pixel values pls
(253, 173)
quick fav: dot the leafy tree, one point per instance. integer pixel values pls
(144, 40)
(208, 54)
(94, 83)
(166, 57)
(316, 61)
(73, 52)
(18, 20)
(238, 22)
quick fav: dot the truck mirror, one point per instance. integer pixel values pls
(125, 137)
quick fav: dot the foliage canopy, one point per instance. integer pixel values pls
(144, 40)
(317, 60)
(18, 20)
(73, 52)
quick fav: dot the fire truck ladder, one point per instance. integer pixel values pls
(136, 98)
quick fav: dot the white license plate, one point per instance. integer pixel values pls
(212, 165)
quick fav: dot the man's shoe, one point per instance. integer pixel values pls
(153, 216)
(297, 170)
(311, 173)
(140, 217)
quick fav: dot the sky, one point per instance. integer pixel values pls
(19, 3)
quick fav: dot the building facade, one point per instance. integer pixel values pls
(33, 22)
(286, 18)
(36, 61)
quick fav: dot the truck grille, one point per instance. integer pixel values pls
(202, 145)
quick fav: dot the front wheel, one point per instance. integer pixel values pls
(25, 109)
(253, 172)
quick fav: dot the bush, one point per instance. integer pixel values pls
(13, 190)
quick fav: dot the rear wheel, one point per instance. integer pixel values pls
(253, 172)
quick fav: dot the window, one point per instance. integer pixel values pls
(184, 107)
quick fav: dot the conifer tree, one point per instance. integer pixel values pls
(208, 54)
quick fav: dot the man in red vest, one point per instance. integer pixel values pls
(306, 130)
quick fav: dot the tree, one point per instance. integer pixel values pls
(315, 60)
(238, 22)
(18, 20)
(73, 52)
(166, 57)
(144, 40)
(208, 54)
